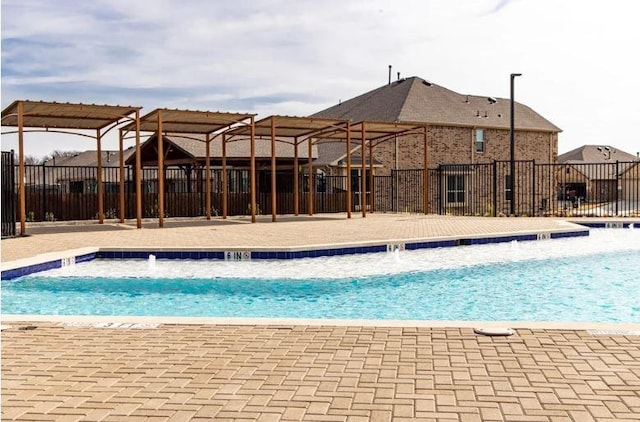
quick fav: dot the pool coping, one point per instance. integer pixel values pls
(112, 321)
(53, 260)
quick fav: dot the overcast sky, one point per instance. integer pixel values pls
(579, 58)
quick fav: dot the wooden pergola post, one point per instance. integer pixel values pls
(371, 187)
(253, 170)
(274, 197)
(207, 176)
(21, 175)
(138, 175)
(121, 192)
(425, 175)
(160, 172)
(296, 176)
(349, 204)
(310, 178)
(100, 191)
(363, 167)
(224, 176)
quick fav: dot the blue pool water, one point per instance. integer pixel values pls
(601, 286)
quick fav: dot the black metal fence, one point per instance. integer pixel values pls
(585, 189)
(8, 195)
(603, 189)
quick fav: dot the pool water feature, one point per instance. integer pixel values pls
(589, 279)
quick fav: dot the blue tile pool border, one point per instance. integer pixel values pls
(289, 254)
(608, 224)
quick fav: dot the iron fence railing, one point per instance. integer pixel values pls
(70, 193)
(8, 195)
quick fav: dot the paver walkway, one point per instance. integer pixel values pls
(292, 373)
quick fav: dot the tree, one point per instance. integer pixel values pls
(31, 159)
(58, 154)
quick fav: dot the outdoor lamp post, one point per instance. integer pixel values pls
(512, 159)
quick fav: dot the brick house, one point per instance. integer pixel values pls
(462, 129)
(598, 172)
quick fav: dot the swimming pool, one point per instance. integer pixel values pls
(588, 279)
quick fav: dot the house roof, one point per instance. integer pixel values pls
(90, 158)
(595, 154)
(417, 100)
(598, 162)
(330, 152)
(333, 153)
(193, 147)
(41, 114)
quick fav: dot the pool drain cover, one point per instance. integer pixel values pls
(494, 331)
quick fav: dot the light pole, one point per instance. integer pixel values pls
(512, 142)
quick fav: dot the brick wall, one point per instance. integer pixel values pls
(456, 145)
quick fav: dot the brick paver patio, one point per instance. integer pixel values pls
(180, 372)
(288, 231)
(291, 373)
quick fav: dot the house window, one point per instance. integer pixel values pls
(479, 140)
(455, 189)
(508, 193)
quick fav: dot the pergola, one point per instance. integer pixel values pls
(210, 124)
(297, 129)
(294, 131)
(66, 118)
(373, 133)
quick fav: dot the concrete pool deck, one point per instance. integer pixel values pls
(287, 370)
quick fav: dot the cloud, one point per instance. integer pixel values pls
(298, 57)
(501, 4)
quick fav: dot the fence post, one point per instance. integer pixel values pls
(441, 192)
(533, 188)
(495, 188)
(44, 190)
(617, 184)
(8, 194)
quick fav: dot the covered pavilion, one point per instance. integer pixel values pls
(69, 118)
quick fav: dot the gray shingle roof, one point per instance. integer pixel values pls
(240, 148)
(194, 147)
(599, 164)
(416, 100)
(334, 153)
(591, 154)
(90, 158)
